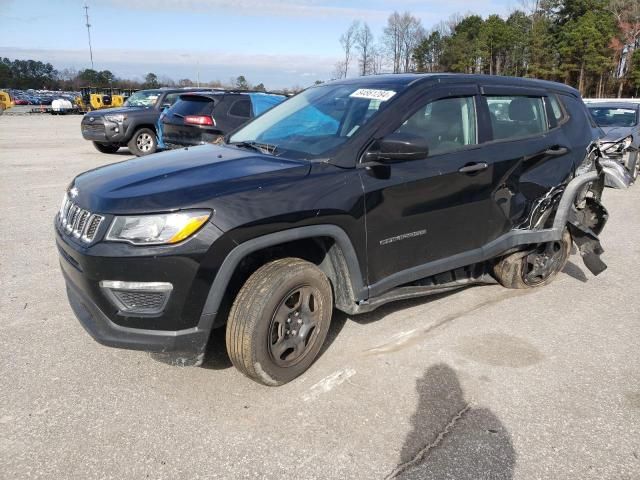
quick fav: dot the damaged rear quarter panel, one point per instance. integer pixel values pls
(527, 173)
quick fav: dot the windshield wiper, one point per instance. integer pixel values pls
(257, 146)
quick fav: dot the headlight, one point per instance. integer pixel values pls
(117, 118)
(619, 146)
(157, 229)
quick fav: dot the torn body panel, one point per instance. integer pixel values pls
(574, 205)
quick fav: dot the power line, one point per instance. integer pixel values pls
(86, 15)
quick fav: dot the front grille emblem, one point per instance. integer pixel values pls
(91, 119)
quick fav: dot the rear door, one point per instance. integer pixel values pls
(529, 150)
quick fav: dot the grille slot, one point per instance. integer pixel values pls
(78, 222)
(93, 128)
(142, 302)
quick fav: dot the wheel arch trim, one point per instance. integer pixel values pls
(223, 277)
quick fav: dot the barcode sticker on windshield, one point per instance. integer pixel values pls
(371, 94)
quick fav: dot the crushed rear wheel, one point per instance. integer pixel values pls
(534, 267)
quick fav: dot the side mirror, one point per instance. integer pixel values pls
(398, 147)
(165, 105)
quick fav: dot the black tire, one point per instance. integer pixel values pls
(272, 337)
(1, 109)
(106, 147)
(143, 142)
(518, 270)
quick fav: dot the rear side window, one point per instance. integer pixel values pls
(555, 108)
(192, 106)
(516, 116)
(170, 99)
(447, 125)
(241, 108)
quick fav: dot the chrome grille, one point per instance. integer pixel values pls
(78, 222)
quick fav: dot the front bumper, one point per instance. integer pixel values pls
(186, 347)
(99, 130)
(175, 330)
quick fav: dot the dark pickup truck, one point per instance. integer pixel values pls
(133, 125)
(346, 196)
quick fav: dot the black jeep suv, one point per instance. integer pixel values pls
(133, 125)
(349, 195)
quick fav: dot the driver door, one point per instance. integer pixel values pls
(422, 212)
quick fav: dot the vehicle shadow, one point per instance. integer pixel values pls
(575, 271)
(216, 357)
(451, 437)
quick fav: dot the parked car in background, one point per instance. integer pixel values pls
(133, 125)
(620, 122)
(349, 195)
(205, 117)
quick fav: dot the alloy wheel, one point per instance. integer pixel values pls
(144, 142)
(294, 326)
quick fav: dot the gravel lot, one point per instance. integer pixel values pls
(484, 383)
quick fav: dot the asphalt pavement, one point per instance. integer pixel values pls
(482, 383)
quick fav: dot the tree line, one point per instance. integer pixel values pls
(593, 45)
(33, 74)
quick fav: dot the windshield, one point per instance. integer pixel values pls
(316, 120)
(144, 98)
(614, 116)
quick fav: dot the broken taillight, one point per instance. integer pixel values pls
(199, 120)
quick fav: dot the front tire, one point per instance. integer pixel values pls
(279, 321)
(106, 147)
(143, 142)
(535, 267)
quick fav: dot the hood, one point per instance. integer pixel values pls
(613, 134)
(183, 178)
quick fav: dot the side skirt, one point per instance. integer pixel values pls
(434, 285)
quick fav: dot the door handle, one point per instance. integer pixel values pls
(474, 167)
(556, 151)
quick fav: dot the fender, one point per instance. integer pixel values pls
(228, 267)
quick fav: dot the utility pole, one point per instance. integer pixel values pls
(86, 15)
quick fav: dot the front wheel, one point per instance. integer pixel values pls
(279, 321)
(535, 267)
(106, 147)
(143, 142)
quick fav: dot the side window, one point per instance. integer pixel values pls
(555, 108)
(447, 125)
(241, 108)
(171, 98)
(516, 116)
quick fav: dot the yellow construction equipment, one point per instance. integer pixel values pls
(95, 98)
(5, 102)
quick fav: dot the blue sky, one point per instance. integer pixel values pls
(280, 43)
